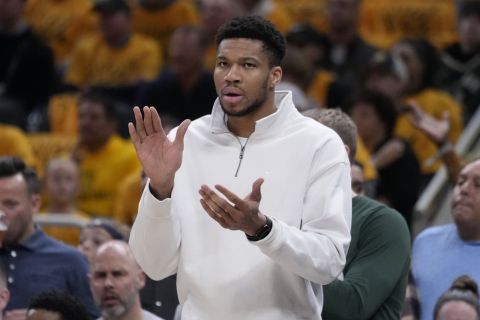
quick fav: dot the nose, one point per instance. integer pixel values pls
(233, 74)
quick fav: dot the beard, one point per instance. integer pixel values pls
(253, 107)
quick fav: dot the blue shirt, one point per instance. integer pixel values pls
(439, 256)
(40, 264)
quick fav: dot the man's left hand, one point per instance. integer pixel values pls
(233, 212)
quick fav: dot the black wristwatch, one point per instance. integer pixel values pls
(262, 232)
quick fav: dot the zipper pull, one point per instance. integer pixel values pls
(242, 150)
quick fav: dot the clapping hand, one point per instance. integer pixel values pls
(159, 156)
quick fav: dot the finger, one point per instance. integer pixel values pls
(213, 215)
(156, 121)
(147, 116)
(256, 194)
(232, 197)
(218, 205)
(139, 123)
(181, 131)
(133, 135)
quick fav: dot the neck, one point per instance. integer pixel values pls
(28, 233)
(468, 232)
(372, 142)
(60, 207)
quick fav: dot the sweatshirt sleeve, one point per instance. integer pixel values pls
(317, 251)
(155, 237)
(380, 264)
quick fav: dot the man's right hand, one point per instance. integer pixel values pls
(159, 156)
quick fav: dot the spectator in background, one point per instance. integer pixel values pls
(158, 19)
(27, 68)
(15, 142)
(375, 275)
(295, 77)
(115, 57)
(99, 231)
(158, 297)
(346, 50)
(35, 261)
(322, 84)
(214, 13)
(115, 281)
(4, 293)
(459, 71)
(460, 301)
(452, 249)
(375, 117)
(61, 188)
(421, 61)
(184, 90)
(53, 305)
(104, 158)
(271, 10)
(61, 24)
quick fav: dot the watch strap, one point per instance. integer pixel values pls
(262, 232)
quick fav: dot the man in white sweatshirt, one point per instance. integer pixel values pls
(251, 206)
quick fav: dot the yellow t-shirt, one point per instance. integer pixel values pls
(63, 114)
(364, 158)
(318, 88)
(102, 172)
(160, 24)
(61, 23)
(67, 234)
(128, 197)
(434, 103)
(14, 142)
(93, 62)
(384, 22)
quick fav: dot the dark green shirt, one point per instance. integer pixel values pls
(376, 272)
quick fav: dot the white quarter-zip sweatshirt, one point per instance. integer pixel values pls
(307, 194)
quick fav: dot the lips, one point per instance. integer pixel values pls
(232, 95)
(109, 300)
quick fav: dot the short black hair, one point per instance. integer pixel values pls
(10, 166)
(428, 56)
(381, 104)
(66, 305)
(256, 28)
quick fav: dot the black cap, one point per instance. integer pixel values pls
(111, 5)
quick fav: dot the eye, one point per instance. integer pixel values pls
(248, 65)
(221, 64)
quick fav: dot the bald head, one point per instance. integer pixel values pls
(116, 280)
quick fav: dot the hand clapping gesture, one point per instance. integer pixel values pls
(159, 156)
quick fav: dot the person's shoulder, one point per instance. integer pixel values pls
(150, 316)
(62, 250)
(433, 233)
(371, 209)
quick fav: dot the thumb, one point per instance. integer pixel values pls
(182, 129)
(256, 194)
